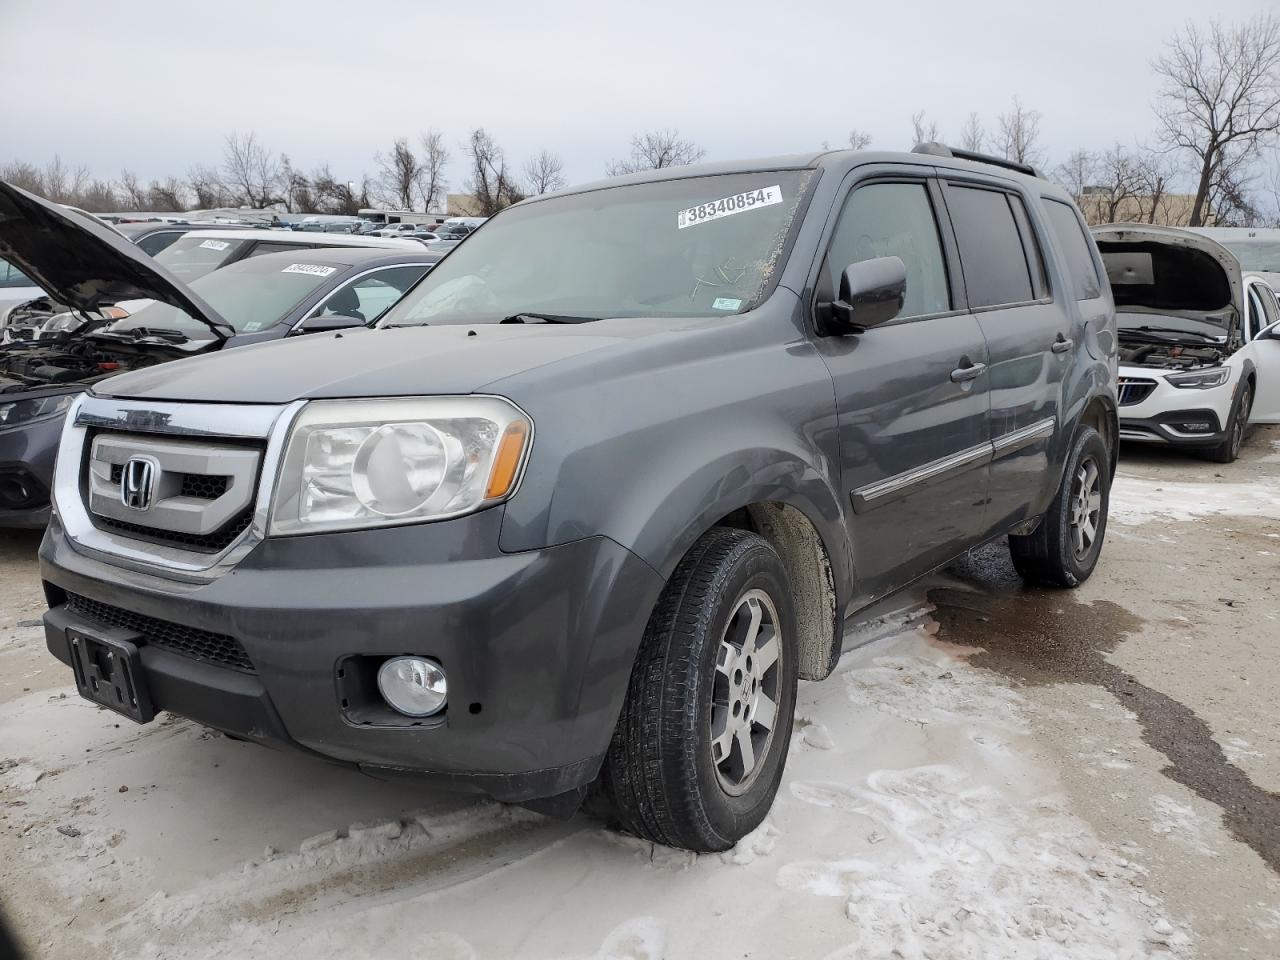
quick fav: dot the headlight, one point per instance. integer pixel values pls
(351, 464)
(1200, 379)
(18, 412)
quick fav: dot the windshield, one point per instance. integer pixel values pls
(697, 247)
(193, 256)
(1260, 255)
(251, 295)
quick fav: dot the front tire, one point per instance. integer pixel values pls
(1064, 549)
(699, 748)
(1229, 449)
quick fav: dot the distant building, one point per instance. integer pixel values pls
(462, 205)
(1172, 210)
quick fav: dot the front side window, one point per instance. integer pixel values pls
(155, 242)
(369, 297)
(893, 220)
(1257, 316)
(991, 249)
(702, 246)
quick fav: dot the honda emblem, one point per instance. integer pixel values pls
(137, 483)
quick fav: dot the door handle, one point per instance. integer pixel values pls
(967, 372)
(1061, 345)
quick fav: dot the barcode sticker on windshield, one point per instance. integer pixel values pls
(728, 206)
(215, 244)
(314, 269)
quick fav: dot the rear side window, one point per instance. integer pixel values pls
(1075, 248)
(991, 250)
(893, 220)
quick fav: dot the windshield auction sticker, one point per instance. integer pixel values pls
(215, 245)
(313, 269)
(728, 206)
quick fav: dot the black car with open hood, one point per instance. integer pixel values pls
(89, 267)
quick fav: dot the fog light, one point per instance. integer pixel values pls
(413, 686)
(1196, 426)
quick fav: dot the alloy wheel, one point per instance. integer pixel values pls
(744, 699)
(1086, 507)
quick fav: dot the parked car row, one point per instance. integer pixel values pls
(573, 512)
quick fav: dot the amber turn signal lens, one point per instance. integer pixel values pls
(505, 465)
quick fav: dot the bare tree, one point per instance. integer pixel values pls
(972, 135)
(24, 176)
(654, 150)
(544, 173)
(1076, 173)
(859, 139)
(1115, 187)
(1018, 136)
(132, 193)
(1220, 97)
(924, 130)
(1154, 172)
(98, 196)
(166, 194)
(431, 182)
(492, 183)
(398, 175)
(206, 186)
(251, 172)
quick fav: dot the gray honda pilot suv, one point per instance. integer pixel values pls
(594, 495)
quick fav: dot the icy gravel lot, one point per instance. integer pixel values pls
(991, 773)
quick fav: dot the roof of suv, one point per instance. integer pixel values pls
(365, 257)
(840, 161)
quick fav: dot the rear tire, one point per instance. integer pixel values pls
(699, 748)
(1064, 549)
(1229, 449)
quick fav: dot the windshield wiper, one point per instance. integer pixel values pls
(153, 333)
(1190, 333)
(547, 318)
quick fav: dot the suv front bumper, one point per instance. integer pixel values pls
(537, 646)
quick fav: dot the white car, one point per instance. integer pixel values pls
(1199, 341)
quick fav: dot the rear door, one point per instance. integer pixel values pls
(911, 394)
(1029, 337)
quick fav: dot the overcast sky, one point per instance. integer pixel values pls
(154, 85)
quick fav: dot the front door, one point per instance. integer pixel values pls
(1265, 351)
(911, 394)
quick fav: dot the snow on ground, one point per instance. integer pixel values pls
(1137, 499)
(914, 821)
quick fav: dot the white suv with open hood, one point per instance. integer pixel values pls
(1199, 341)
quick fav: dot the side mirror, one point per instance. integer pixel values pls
(871, 292)
(326, 323)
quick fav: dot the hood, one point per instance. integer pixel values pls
(374, 363)
(1171, 272)
(83, 264)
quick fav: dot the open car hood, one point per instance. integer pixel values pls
(1171, 272)
(85, 265)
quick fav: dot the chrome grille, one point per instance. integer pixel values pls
(199, 492)
(1133, 390)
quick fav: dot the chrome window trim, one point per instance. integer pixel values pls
(210, 420)
(1018, 439)
(883, 491)
(900, 485)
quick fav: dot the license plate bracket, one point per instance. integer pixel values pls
(109, 672)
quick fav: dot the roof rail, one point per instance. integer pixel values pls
(935, 149)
